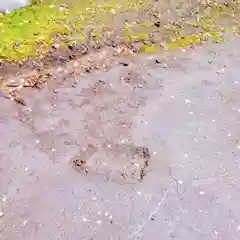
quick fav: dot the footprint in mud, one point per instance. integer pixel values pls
(134, 79)
(122, 163)
(80, 161)
(143, 152)
(100, 88)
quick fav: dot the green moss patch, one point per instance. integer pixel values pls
(30, 32)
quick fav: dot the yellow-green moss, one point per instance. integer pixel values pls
(212, 24)
(30, 32)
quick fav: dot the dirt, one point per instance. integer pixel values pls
(95, 157)
(114, 144)
(53, 71)
(84, 162)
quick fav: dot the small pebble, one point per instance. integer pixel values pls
(26, 169)
(84, 219)
(180, 181)
(24, 223)
(99, 222)
(37, 141)
(1, 214)
(139, 193)
(221, 71)
(201, 192)
(4, 199)
(56, 46)
(187, 100)
(213, 121)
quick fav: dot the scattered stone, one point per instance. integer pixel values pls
(56, 46)
(142, 152)
(24, 223)
(124, 64)
(157, 24)
(99, 222)
(221, 71)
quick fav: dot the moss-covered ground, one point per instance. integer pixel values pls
(32, 31)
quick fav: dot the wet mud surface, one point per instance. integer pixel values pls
(149, 147)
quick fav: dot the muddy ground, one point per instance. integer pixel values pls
(143, 147)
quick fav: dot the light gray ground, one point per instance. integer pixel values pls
(185, 110)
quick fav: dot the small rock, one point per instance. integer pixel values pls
(24, 223)
(74, 84)
(221, 71)
(4, 199)
(76, 64)
(157, 24)
(1, 214)
(56, 46)
(99, 222)
(124, 64)
(180, 182)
